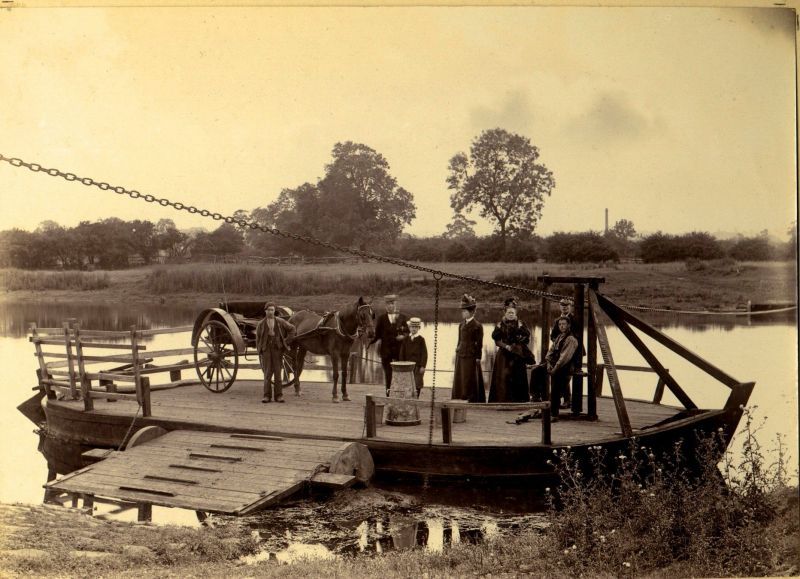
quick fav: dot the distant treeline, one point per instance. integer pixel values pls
(115, 244)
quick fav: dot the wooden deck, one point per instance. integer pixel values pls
(208, 471)
(314, 416)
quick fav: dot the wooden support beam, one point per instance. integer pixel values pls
(546, 428)
(613, 379)
(591, 363)
(577, 381)
(73, 390)
(650, 358)
(447, 425)
(665, 340)
(369, 417)
(545, 345)
(86, 384)
(547, 279)
(145, 514)
(659, 393)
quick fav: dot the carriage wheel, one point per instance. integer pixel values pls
(287, 371)
(215, 357)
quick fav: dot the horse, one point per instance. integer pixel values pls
(330, 335)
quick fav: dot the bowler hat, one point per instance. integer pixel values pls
(468, 302)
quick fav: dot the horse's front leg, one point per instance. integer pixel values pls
(299, 362)
(344, 359)
(335, 365)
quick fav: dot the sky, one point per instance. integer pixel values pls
(677, 119)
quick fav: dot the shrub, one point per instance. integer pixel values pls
(589, 246)
(638, 513)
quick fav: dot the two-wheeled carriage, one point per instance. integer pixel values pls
(224, 340)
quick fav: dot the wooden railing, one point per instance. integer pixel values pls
(600, 371)
(446, 409)
(73, 371)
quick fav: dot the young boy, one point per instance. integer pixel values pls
(413, 349)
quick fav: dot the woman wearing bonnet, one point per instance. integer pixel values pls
(509, 375)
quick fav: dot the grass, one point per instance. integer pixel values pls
(648, 516)
(720, 284)
(17, 279)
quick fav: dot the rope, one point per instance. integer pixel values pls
(710, 312)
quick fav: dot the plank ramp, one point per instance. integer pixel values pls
(227, 473)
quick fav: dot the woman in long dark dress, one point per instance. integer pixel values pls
(509, 375)
(467, 377)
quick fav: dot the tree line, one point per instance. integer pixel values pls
(358, 203)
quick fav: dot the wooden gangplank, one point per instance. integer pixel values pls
(226, 473)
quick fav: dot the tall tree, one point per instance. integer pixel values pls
(361, 201)
(624, 229)
(501, 178)
(357, 203)
(460, 227)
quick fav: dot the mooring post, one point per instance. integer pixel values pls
(591, 362)
(369, 417)
(73, 390)
(546, 434)
(545, 340)
(144, 400)
(577, 381)
(86, 384)
(447, 424)
(145, 514)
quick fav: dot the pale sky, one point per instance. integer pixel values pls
(678, 119)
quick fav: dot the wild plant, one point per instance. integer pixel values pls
(639, 511)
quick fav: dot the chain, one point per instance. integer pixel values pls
(254, 226)
(437, 279)
(245, 224)
(127, 434)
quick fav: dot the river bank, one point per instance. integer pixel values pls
(46, 540)
(718, 285)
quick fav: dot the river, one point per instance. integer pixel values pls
(756, 349)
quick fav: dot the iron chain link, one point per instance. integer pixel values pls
(164, 202)
(243, 223)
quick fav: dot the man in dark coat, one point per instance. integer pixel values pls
(273, 337)
(414, 349)
(467, 378)
(391, 329)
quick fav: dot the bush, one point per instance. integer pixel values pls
(638, 513)
(752, 249)
(589, 246)
(660, 247)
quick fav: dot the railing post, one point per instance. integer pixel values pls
(141, 384)
(591, 362)
(577, 381)
(659, 393)
(43, 375)
(546, 435)
(369, 417)
(73, 390)
(86, 385)
(447, 424)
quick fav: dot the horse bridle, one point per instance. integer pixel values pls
(362, 326)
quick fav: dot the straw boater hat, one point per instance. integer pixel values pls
(391, 298)
(416, 322)
(565, 302)
(468, 302)
(268, 304)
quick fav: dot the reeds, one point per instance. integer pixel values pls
(17, 279)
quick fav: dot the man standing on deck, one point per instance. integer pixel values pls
(567, 307)
(273, 336)
(391, 329)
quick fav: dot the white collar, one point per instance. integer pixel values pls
(468, 320)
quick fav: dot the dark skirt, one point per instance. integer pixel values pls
(468, 381)
(509, 379)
